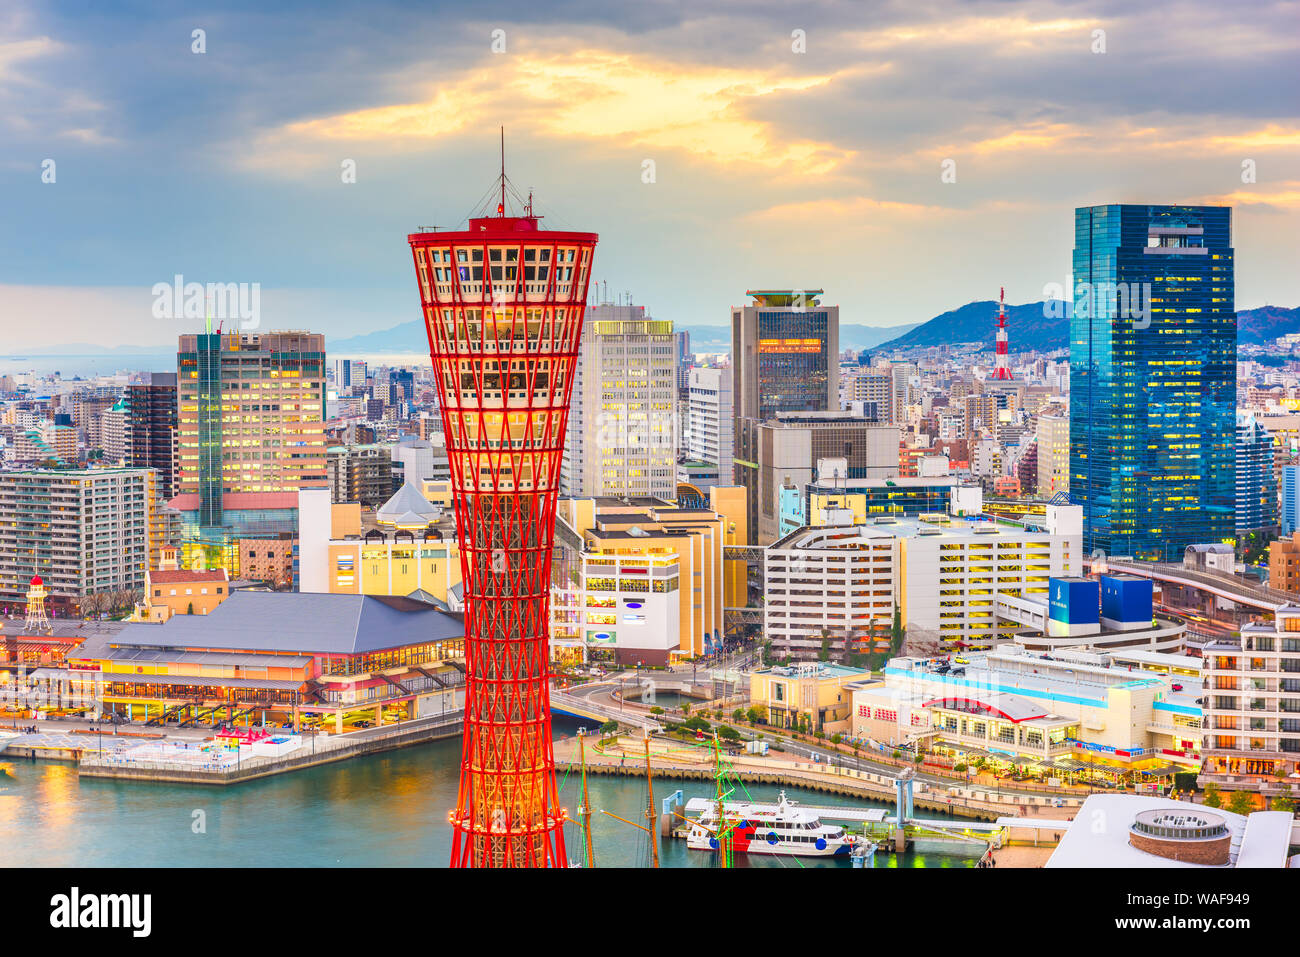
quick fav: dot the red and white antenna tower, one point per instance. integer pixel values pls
(1002, 364)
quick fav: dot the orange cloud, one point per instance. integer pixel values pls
(593, 94)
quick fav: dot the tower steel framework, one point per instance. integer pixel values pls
(503, 304)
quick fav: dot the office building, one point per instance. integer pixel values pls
(789, 446)
(1153, 345)
(836, 500)
(622, 430)
(1256, 498)
(644, 580)
(944, 576)
(784, 358)
(709, 436)
(250, 435)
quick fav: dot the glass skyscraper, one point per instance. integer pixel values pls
(1153, 350)
(785, 357)
(1256, 485)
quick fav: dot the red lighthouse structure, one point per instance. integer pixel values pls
(503, 304)
(1002, 364)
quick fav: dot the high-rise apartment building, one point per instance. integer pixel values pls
(870, 385)
(1252, 705)
(349, 374)
(360, 473)
(1256, 498)
(621, 438)
(1053, 455)
(784, 358)
(83, 531)
(151, 435)
(1289, 504)
(1153, 345)
(115, 434)
(709, 421)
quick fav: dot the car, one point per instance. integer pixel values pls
(961, 661)
(363, 724)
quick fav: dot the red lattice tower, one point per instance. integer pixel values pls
(1002, 362)
(503, 304)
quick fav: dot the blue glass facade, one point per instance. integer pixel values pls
(1256, 486)
(1153, 349)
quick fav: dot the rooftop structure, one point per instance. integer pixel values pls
(1150, 832)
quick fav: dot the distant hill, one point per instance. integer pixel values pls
(1030, 329)
(1258, 326)
(976, 322)
(973, 322)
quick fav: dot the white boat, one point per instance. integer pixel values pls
(781, 828)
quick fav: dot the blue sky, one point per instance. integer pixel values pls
(772, 167)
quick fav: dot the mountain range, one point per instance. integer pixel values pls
(1036, 326)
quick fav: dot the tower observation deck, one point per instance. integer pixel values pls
(503, 304)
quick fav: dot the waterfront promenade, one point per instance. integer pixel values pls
(681, 760)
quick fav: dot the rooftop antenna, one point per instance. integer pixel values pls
(501, 206)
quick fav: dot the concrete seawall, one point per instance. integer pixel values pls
(416, 733)
(845, 787)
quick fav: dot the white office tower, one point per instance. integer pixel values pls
(902, 375)
(709, 428)
(621, 439)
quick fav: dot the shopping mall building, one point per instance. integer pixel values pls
(305, 660)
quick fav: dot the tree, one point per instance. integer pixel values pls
(728, 733)
(656, 710)
(755, 714)
(1212, 796)
(898, 633)
(825, 653)
(836, 738)
(1241, 802)
(738, 715)
(609, 727)
(1283, 801)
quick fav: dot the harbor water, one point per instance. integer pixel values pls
(382, 810)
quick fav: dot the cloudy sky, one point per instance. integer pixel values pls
(771, 167)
